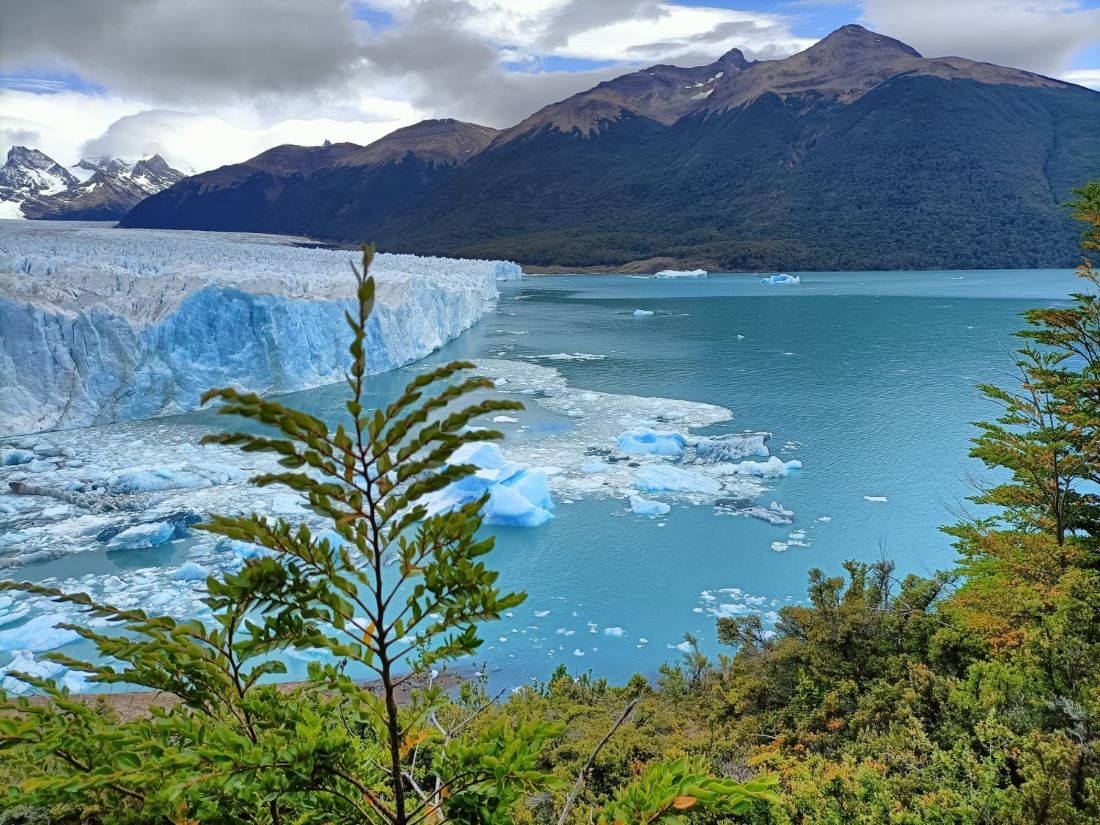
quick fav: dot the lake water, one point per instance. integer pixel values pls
(867, 378)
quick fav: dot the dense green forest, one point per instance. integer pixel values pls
(972, 696)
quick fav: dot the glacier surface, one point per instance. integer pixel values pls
(99, 324)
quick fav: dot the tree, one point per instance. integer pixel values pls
(390, 589)
(1048, 439)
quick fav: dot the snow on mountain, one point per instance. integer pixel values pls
(29, 174)
(100, 324)
(33, 185)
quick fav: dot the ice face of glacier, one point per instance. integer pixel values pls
(100, 324)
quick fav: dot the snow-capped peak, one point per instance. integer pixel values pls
(33, 185)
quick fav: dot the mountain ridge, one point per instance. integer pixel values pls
(857, 153)
(34, 185)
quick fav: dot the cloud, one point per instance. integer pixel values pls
(70, 125)
(1039, 35)
(1083, 77)
(185, 50)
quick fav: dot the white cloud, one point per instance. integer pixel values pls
(70, 125)
(1039, 35)
(1083, 77)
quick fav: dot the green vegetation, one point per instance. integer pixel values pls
(972, 696)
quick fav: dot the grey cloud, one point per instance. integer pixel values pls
(20, 137)
(454, 73)
(579, 16)
(184, 49)
(1041, 35)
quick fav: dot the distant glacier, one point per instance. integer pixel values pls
(99, 324)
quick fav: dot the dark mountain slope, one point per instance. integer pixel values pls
(335, 191)
(855, 154)
(915, 165)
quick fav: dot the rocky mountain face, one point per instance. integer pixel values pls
(332, 192)
(857, 153)
(33, 185)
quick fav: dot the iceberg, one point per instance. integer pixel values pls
(14, 457)
(141, 536)
(519, 496)
(99, 325)
(774, 467)
(782, 278)
(645, 507)
(731, 448)
(644, 441)
(642, 313)
(681, 273)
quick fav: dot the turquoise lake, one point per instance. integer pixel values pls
(868, 379)
(872, 375)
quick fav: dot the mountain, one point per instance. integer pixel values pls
(332, 191)
(28, 174)
(857, 153)
(33, 185)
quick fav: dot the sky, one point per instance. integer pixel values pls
(210, 82)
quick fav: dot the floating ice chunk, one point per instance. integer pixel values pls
(542, 614)
(644, 441)
(595, 467)
(578, 652)
(779, 546)
(151, 480)
(732, 447)
(508, 508)
(774, 467)
(504, 419)
(825, 518)
(642, 313)
(681, 273)
(25, 662)
(39, 634)
(533, 486)
(617, 632)
(12, 457)
(190, 572)
(782, 278)
(875, 498)
(683, 647)
(645, 507)
(483, 454)
(665, 479)
(40, 465)
(143, 535)
(568, 356)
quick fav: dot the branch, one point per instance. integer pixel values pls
(573, 794)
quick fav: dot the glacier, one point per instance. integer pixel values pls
(99, 325)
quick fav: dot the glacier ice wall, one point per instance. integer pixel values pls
(100, 324)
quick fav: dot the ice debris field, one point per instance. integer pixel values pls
(133, 487)
(99, 324)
